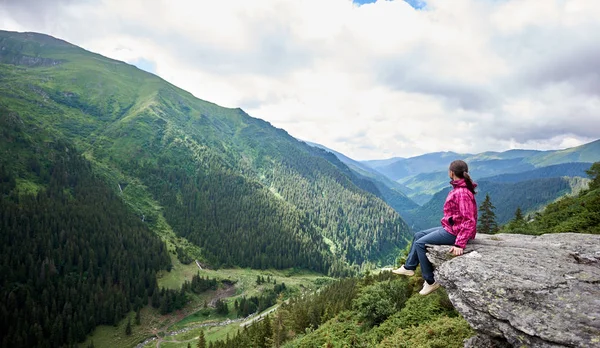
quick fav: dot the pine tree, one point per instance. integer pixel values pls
(267, 331)
(138, 317)
(519, 216)
(487, 218)
(279, 330)
(517, 224)
(594, 173)
(221, 307)
(201, 340)
(128, 327)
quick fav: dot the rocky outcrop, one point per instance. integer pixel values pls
(526, 291)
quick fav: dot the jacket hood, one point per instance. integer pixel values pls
(461, 183)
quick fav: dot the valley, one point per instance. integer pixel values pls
(134, 214)
(183, 326)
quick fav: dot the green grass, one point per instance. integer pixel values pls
(211, 333)
(178, 275)
(110, 336)
(220, 332)
(153, 322)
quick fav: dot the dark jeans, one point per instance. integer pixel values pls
(417, 254)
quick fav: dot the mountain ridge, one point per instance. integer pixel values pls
(163, 145)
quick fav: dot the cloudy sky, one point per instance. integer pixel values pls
(369, 79)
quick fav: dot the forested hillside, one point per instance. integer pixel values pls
(393, 193)
(73, 255)
(579, 213)
(243, 192)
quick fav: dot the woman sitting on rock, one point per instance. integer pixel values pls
(459, 225)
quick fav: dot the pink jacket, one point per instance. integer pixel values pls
(460, 213)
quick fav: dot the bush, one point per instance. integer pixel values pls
(417, 310)
(377, 302)
(444, 332)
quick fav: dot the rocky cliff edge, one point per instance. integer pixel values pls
(526, 291)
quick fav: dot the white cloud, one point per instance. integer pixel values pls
(370, 81)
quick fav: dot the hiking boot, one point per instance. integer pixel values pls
(404, 271)
(428, 289)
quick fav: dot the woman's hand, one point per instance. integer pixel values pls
(456, 251)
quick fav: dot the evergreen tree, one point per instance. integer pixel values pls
(128, 327)
(594, 173)
(138, 317)
(518, 224)
(267, 332)
(518, 216)
(221, 307)
(201, 340)
(279, 330)
(487, 218)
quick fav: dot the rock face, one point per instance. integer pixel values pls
(526, 291)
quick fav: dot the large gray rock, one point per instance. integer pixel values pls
(528, 291)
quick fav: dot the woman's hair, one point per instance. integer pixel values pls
(461, 169)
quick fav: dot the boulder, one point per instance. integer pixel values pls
(526, 291)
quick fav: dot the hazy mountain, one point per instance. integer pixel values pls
(430, 179)
(382, 163)
(424, 185)
(529, 195)
(390, 191)
(431, 162)
(552, 171)
(488, 163)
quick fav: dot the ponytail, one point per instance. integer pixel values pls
(461, 170)
(469, 182)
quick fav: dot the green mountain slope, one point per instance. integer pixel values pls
(577, 213)
(241, 191)
(589, 152)
(72, 255)
(505, 155)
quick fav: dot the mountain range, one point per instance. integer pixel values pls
(526, 179)
(109, 174)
